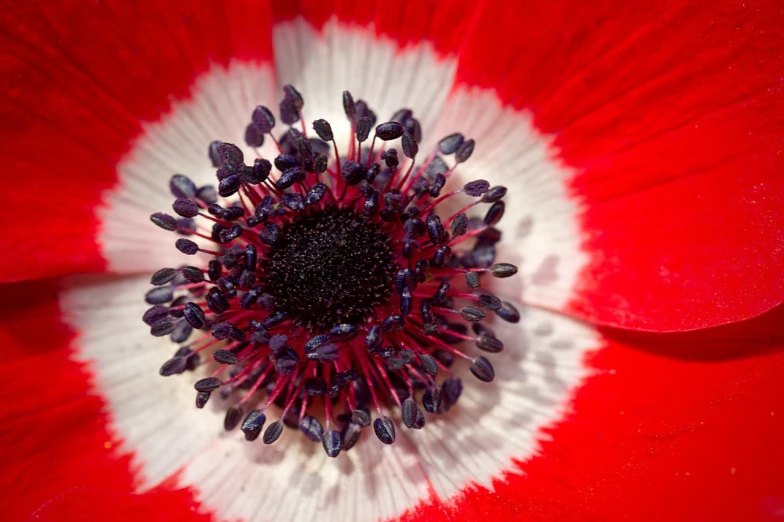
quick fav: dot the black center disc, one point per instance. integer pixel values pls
(330, 268)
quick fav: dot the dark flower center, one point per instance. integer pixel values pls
(334, 266)
(334, 289)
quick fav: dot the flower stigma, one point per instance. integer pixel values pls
(331, 291)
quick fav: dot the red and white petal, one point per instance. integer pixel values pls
(216, 465)
(668, 120)
(79, 80)
(58, 447)
(173, 441)
(634, 384)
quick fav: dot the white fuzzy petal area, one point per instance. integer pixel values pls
(294, 480)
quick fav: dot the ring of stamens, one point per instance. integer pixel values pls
(334, 290)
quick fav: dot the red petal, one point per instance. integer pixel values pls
(78, 80)
(85, 505)
(655, 437)
(672, 120)
(55, 445)
(408, 22)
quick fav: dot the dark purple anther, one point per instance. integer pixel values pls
(459, 225)
(182, 187)
(259, 173)
(363, 129)
(476, 188)
(435, 229)
(263, 119)
(352, 172)
(187, 247)
(390, 130)
(185, 208)
(229, 185)
(464, 151)
(495, 213)
(441, 256)
(410, 147)
(164, 221)
(385, 429)
(451, 143)
(253, 136)
(348, 105)
(293, 95)
(163, 276)
(315, 193)
(482, 369)
(438, 184)
(323, 129)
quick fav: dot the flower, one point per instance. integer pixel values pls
(642, 151)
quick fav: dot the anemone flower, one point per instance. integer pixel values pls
(420, 260)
